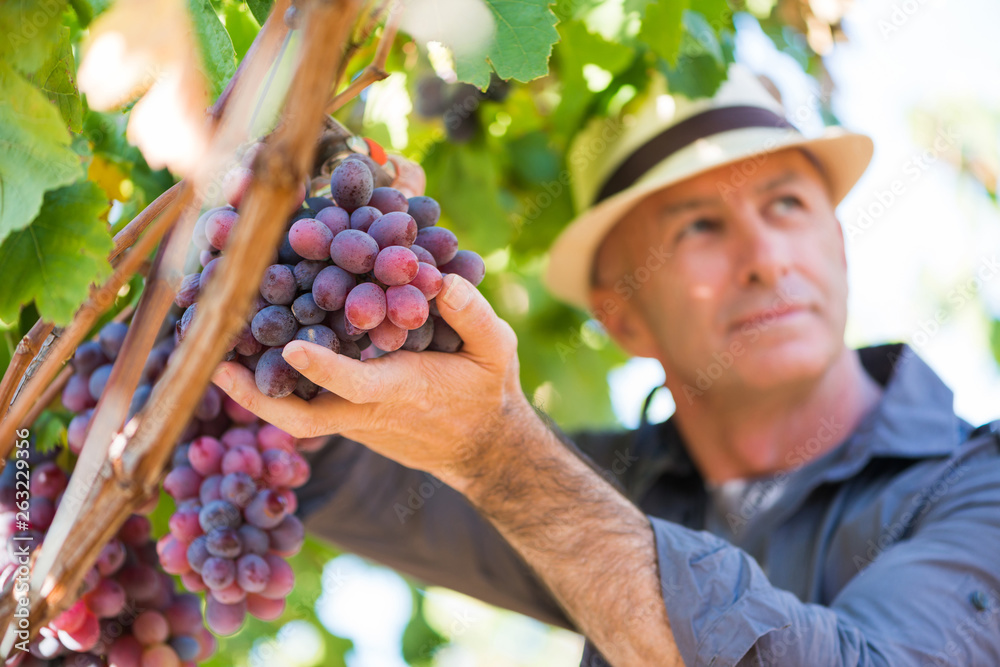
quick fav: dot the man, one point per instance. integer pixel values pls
(807, 504)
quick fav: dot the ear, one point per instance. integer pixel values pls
(624, 322)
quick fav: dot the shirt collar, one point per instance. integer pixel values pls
(915, 418)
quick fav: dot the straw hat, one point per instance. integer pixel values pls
(615, 162)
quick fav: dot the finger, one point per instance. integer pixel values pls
(467, 311)
(370, 381)
(325, 413)
(410, 178)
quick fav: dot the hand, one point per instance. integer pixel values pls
(432, 411)
(410, 177)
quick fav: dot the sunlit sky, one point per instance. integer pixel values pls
(934, 235)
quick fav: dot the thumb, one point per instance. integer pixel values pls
(467, 311)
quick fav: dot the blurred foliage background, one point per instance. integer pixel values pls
(495, 154)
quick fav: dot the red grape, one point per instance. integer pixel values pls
(310, 238)
(406, 307)
(396, 265)
(335, 218)
(439, 242)
(331, 286)
(351, 185)
(394, 228)
(365, 307)
(354, 251)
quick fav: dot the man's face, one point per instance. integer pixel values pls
(752, 293)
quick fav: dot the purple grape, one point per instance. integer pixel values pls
(253, 572)
(210, 404)
(319, 335)
(111, 338)
(197, 553)
(331, 287)
(394, 228)
(184, 523)
(428, 280)
(255, 540)
(306, 271)
(198, 237)
(209, 271)
(88, 357)
(186, 647)
(205, 454)
(273, 326)
(275, 378)
(238, 488)
(363, 218)
(406, 307)
(467, 264)
(246, 344)
(182, 482)
(345, 331)
(219, 226)
(98, 380)
(76, 432)
(224, 543)
(306, 311)
(184, 324)
(287, 254)
(76, 394)
(211, 488)
(266, 510)
(287, 537)
(351, 185)
(278, 285)
(365, 306)
(310, 238)
(396, 265)
(354, 251)
(417, 340)
(282, 579)
(388, 200)
(445, 338)
(251, 360)
(318, 203)
(425, 211)
(224, 619)
(219, 514)
(387, 336)
(439, 242)
(335, 218)
(242, 458)
(187, 293)
(218, 572)
(423, 255)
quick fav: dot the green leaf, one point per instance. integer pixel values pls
(56, 78)
(49, 432)
(88, 10)
(717, 12)
(520, 47)
(700, 38)
(218, 56)
(663, 28)
(30, 30)
(995, 339)
(55, 259)
(242, 28)
(260, 9)
(35, 153)
(577, 48)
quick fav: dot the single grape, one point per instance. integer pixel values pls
(282, 579)
(111, 558)
(263, 608)
(394, 228)
(396, 265)
(210, 405)
(306, 271)
(184, 324)
(439, 242)
(99, 380)
(187, 293)
(139, 581)
(331, 287)
(193, 582)
(306, 389)
(379, 175)
(278, 467)
(76, 432)
(250, 361)
(254, 540)
(319, 335)
(242, 458)
(111, 338)
(310, 238)
(363, 218)
(184, 524)
(351, 185)
(417, 340)
(275, 325)
(270, 436)
(387, 336)
(218, 572)
(219, 514)
(274, 376)
(182, 482)
(406, 307)
(252, 573)
(71, 619)
(318, 203)
(219, 227)
(278, 284)
(76, 394)
(198, 237)
(222, 542)
(224, 619)
(47, 480)
(206, 256)
(354, 251)
(388, 200)
(425, 211)
(365, 307)
(288, 536)
(88, 357)
(173, 555)
(235, 185)
(423, 255)
(210, 269)
(467, 264)
(345, 330)
(239, 487)
(231, 594)
(185, 647)
(349, 348)
(445, 338)
(266, 510)
(335, 218)
(428, 280)
(126, 651)
(210, 488)
(83, 638)
(183, 615)
(197, 553)
(240, 436)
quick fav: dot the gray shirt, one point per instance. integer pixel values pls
(883, 551)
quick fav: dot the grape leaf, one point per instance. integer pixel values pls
(578, 48)
(260, 9)
(30, 30)
(54, 260)
(520, 46)
(718, 13)
(662, 28)
(35, 153)
(56, 78)
(218, 56)
(88, 10)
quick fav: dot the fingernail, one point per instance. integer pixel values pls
(296, 357)
(223, 380)
(458, 295)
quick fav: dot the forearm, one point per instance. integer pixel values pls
(592, 547)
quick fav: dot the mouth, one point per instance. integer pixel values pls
(769, 316)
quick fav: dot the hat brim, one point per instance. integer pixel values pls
(844, 156)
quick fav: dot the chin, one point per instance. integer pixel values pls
(787, 360)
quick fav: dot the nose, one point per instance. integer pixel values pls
(764, 251)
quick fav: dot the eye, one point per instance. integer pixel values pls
(699, 225)
(787, 203)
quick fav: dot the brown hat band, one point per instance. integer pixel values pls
(676, 137)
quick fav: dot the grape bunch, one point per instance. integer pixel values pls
(128, 614)
(234, 525)
(361, 269)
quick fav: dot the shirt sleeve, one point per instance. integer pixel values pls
(414, 523)
(930, 598)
